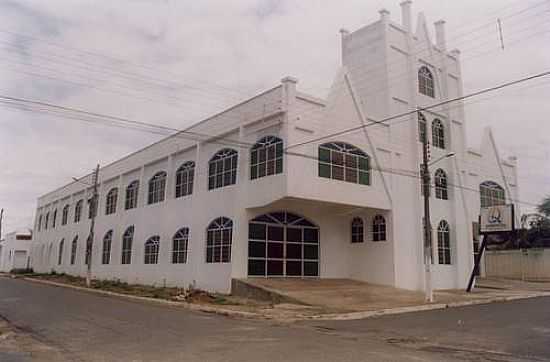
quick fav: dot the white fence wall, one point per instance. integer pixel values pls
(527, 264)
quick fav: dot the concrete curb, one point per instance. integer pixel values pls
(422, 308)
(185, 305)
(335, 316)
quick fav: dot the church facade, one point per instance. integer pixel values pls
(288, 185)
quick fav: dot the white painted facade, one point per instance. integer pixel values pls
(15, 250)
(378, 79)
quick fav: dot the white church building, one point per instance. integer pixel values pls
(273, 187)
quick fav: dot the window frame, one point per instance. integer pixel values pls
(491, 194)
(219, 240)
(151, 250)
(54, 218)
(132, 195)
(441, 185)
(74, 249)
(111, 201)
(78, 211)
(444, 252)
(156, 192)
(223, 169)
(180, 246)
(426, 82)
(65, 215)
(266, 157)
(357, 230)
(60, 252)
(127, 244)
(379, 228)
(106, 250)
(184, 179)
(438, 134)
(338, 158)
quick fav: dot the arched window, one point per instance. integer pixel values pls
(127, 240)
(443, 243)
(110, 201)
(92, 207)
(54, 218)
(46, 220)
(222, 169)
(218, 240)
(422, 128)
(379, 228)
(179, 246)
(426, 82)
(74, 245)
(151, 253)
(283, 244)
(491, 194)
(39, 222)
(266, 157)
(60, 252)
(132, 192)
(106, 254)
(78, 211)
(344, 162)
(87, 252)
(157, 188)
(357, 230)
(438, 134)
(49, 260)
(441, 185)
(185, 176)
(65, 215)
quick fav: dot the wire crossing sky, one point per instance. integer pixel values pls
(173, 63)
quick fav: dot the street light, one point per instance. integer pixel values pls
(450, 154)
(427, 221)
(93, 208)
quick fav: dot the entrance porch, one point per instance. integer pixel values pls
(295, 238)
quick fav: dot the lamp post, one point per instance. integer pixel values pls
(427, 222)
(90, 240)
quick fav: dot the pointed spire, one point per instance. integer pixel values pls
(406, 15)
(440, 39)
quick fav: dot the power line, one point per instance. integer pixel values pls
(420, 109)
(408, 173)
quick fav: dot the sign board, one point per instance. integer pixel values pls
(497, 219)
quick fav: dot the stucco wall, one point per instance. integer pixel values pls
(529, 264)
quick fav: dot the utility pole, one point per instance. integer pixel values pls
(1, 217)
(427, 221)
(90, 241)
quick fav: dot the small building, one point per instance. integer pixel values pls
(15, 251)
(288, 185)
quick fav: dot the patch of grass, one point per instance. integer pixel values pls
(191, 294)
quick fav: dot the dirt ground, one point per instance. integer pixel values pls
(16, 346)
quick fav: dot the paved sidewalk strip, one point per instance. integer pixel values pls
(293, 313)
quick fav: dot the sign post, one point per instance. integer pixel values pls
(493, 220)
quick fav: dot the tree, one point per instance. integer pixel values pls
(535, 227)
(544, 207)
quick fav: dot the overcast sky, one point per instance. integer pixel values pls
(174, 62)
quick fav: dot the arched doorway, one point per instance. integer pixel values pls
(281, 244)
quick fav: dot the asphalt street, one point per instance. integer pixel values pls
(86, 327)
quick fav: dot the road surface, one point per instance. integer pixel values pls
(86, 327)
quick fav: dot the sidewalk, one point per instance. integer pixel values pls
(333, 300)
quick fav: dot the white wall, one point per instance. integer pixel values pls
(378, 79)
(528, 264)
(12, 250)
